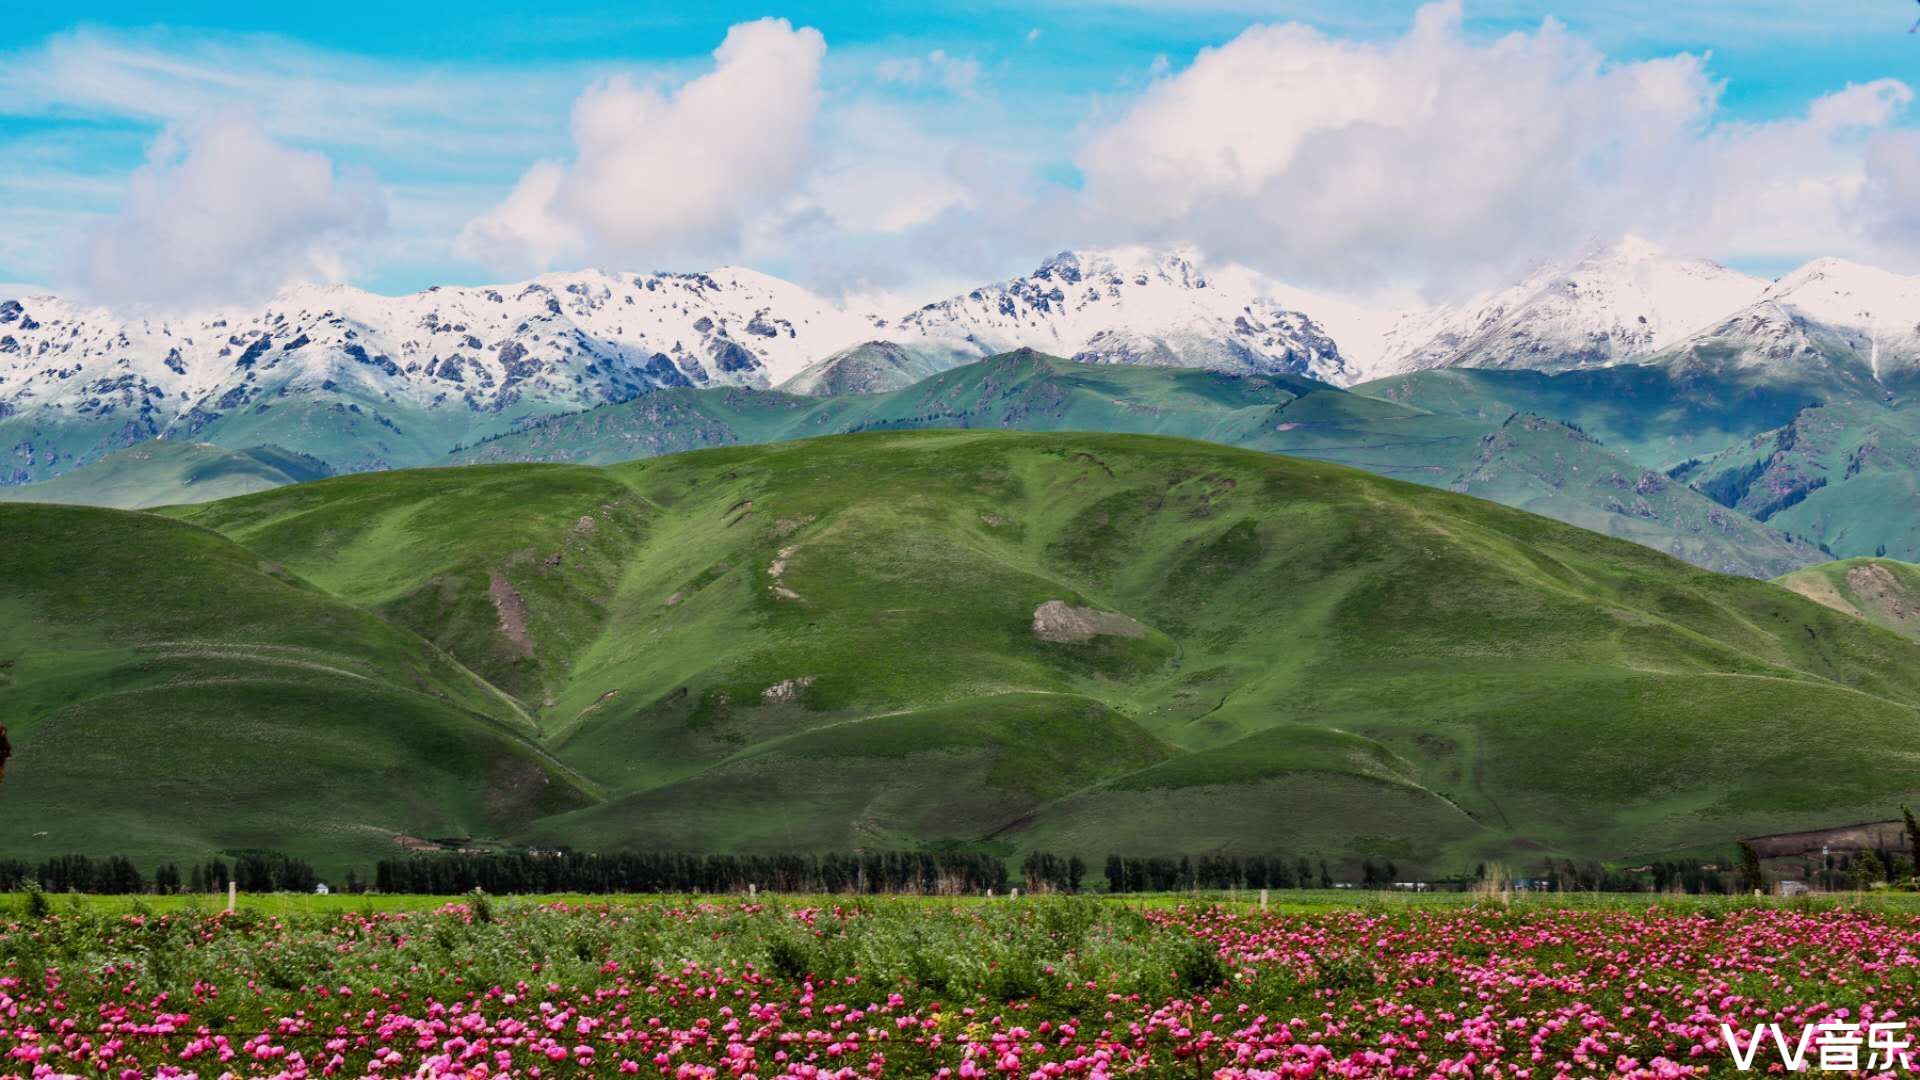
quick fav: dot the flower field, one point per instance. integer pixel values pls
(1035, 988)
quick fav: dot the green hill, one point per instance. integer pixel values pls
(1541, 466)
(1086, 643)
(168, 693)
(164, 471)
(1558, 473)
(1881, 591)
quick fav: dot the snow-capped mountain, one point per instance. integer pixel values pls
(1612, 304)
(1129, 306)
(1828, 320)
(366, 381)
(560, 341)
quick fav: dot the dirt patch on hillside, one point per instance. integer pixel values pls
(597, 703)
(1821, 591)
(513, 614)
(1060, 622)
(786, 689)
(777, 568)
(1876, 584)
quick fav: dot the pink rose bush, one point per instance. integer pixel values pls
(1033, 989)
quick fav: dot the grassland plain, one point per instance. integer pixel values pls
(1279, 902)
(834, 643)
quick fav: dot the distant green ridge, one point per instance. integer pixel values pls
(162, 471)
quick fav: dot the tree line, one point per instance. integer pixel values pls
(116, 875)
(952, 873)
(1166, 873)
(934, 873)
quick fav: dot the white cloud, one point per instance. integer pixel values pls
(658, 177)
(1290, 149)
(956, 75)
(446, 116)
(222, 212)
(1795, 187)
(881, 171)
(1449, 162)
(1890, 196)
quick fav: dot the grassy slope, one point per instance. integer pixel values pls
(169, 693)
(164, 471)
(1882, 591)
(829, 643)
(1478, 452)
(1550, 469)
(1030, 392)
(1830, 458)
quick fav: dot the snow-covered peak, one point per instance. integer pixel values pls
(1843, 293)
(1616, 302)
(1828, 320)
(466, 358)
(1134, 306)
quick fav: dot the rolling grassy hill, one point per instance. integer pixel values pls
(1085, 643)
(169, 692)
(1528, 460)
(1881, 591)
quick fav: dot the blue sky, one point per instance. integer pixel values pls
(937, 142)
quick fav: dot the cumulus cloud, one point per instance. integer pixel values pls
(662, 176)
(220, 211)
(1450, 161)
(1794, 187)
(1363, 159)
